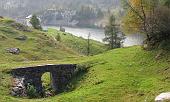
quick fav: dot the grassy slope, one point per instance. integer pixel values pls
(78, 44)
(37, 49)
(121, 75)
(38, 46)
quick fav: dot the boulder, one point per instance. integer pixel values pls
(13, 93)
(1, 17)
(13, 50)
(20, 27)
(163, 97)
(22, 38)
(15, 89)
(48, 94)
(18, 88)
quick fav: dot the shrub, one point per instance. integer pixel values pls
(58, 37)
(158, 28)
(31, 91)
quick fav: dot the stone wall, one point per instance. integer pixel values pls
(60, 77)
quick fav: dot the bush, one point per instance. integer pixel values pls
(31, 91)
(164, 45)
(58, 37)
(82, 69)
(158, 27)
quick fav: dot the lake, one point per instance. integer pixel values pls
(98, 35)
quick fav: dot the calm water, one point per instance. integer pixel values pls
(98, 35)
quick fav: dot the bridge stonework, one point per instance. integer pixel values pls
(61, 76)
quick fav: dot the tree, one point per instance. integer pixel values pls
(100, 14)
(143, 17)
(88, 44)
(136, 15)
(35, 22)
(112, 34)
(85, 13)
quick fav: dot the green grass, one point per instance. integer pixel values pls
(38, 46)
(121, 75)
(78, 44)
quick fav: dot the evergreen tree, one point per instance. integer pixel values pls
(113, 35)
(100, 14)
(35, 22)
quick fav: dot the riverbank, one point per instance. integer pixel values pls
(98, 35)
(78, 44)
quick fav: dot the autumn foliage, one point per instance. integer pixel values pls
(148, 17)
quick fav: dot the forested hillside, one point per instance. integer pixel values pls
(15, 8)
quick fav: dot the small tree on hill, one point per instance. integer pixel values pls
(35, 22)
(88, 44)
(112, 34)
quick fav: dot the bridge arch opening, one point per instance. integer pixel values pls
(46, 80)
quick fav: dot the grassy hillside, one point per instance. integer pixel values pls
(78, 44)
(41, 45)
(37, 46)
(121, 75)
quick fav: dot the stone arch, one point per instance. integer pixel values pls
(60, 76)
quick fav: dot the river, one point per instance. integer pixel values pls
(98, 35)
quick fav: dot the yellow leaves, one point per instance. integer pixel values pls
(131, 24)
(135, 15)
(135, 3)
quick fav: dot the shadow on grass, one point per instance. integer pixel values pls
(81, 70)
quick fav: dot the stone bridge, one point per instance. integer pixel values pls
(60, 78)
